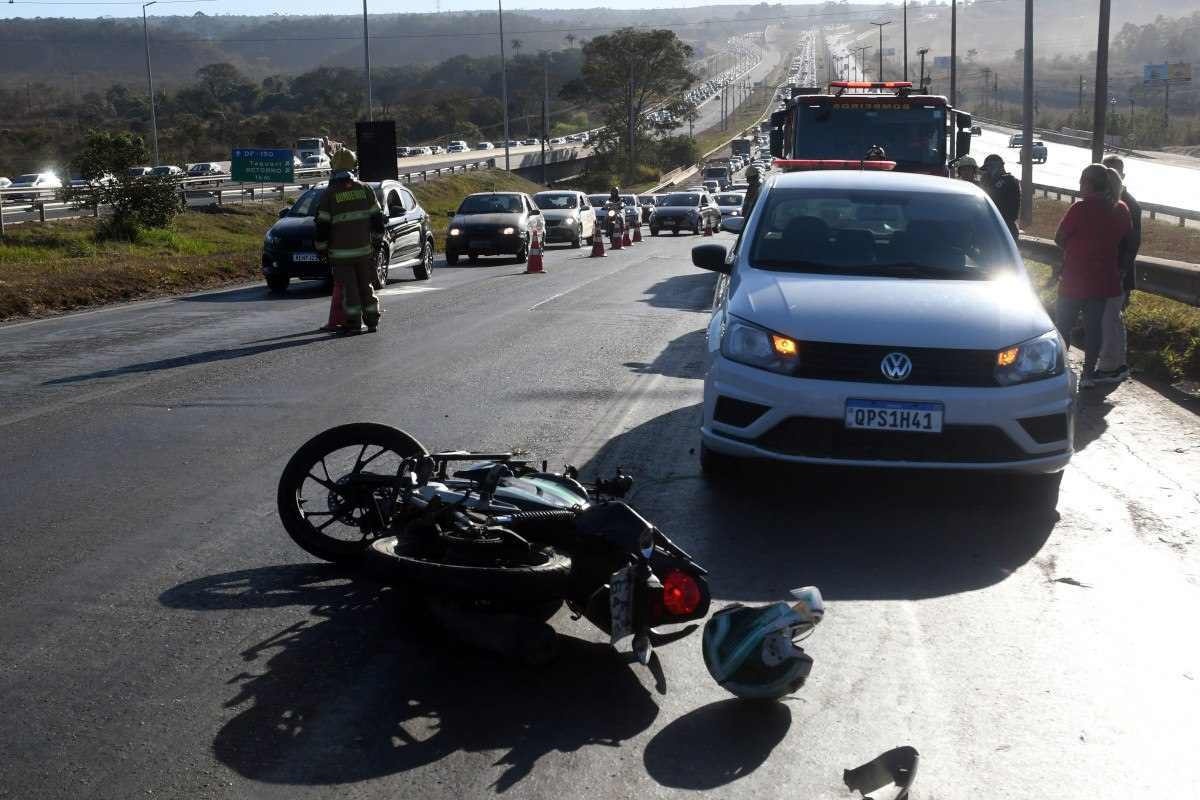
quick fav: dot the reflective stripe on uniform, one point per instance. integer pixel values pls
(351, 252)
(350, 216)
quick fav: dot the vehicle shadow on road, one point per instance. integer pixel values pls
(858, 534)
(204, 357)
(357, 690)
(689, 292)
(683, 357)
(716, 744)
(305, 290)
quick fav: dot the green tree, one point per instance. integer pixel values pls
(135, 202)
(627, 72)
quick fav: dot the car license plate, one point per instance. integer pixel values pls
(479, 244)
(890, 415)
(620, 604)
(305, 257)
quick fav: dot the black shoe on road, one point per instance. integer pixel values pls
(1111, 375)
(351, 330)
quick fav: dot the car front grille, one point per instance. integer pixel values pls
(862, 364)
(817, 437)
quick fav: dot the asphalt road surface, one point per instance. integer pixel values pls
(160, 636)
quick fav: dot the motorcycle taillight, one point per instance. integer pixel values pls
(681, 594)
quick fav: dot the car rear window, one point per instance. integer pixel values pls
(25, 178)
(729, 199)
(854, 232)
(491, 204)
(306, 204)
(682, 200)
(549, 200)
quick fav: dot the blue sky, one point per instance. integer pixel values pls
(94, 8)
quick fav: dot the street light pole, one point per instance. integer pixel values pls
(953, 52)
(1100, 101)
(150, 78)
(905, 39)
(367, 63)
(503, 79)
(921, 52)
(880, 26)
(1027, 123)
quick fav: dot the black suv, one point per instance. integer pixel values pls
(407, 241)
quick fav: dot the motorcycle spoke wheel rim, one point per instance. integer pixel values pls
(346, 493)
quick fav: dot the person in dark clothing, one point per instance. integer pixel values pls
(1112, 366)
(1004, 189)
(754, 179)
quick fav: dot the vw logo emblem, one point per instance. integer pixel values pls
(896, 366)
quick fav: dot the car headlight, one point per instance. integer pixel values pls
(758, 347)
(570, 221)
(1030, 361)
(455, 232)
(508, 231)
(270, 241)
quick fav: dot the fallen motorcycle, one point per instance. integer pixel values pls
(497, 537)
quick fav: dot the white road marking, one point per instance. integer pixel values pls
(394, 290)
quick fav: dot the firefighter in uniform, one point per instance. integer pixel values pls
(348, 216)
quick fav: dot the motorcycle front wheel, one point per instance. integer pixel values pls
(337, 490)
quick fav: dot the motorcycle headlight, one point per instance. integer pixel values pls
(758, 347)
(509, 231)
(455, 232)
(1030, 361)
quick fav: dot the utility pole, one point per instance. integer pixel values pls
(953, 52)
(545, 114)
(1080, 94)
(503, 79)
(1166, 104)
(905, 39)
(1100, 104)
(150, 78)
(880, 26)
(1027, 123)
(367, 64)
(862, 53)
(921, 52)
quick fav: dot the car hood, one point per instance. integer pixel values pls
(488, 219)
(985, 315)
(295, 228)
(559, 213)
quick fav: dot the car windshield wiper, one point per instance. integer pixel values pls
(918, 270)
(794, 265)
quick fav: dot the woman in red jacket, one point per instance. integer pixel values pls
(1090, 234)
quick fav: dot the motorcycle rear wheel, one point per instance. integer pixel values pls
(397, 559)
(312, 499)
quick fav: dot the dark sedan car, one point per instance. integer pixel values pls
(686, 211)
(289, 252)
(492, 224)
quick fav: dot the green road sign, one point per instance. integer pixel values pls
(262, 165)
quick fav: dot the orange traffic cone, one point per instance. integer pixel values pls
(616, 238)
(598, 242)
(637, 232)
(625, 240)
(337, 312)
(707, 228)
(533, 264)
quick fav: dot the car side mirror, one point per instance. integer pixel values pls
(711, 257)
(449, 213)
(962, 143)
(535, 213)
(733, 224)
(283, 212)
(395, 211)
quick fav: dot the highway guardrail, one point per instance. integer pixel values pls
(1164, 277)
(1152, 210)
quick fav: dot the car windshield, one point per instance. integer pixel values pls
(629, 199)
(597, 199)
(25, 178)
(161, 171)
(682, 200)
(549, 200)
(491, 204)
(893, 234)
(909, 135)
(306, 204)
(729, 199)
(716, 172)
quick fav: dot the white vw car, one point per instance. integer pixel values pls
(881, 319)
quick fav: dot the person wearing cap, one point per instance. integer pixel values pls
(348, 216)
(754, 181)
(1005, 191)
(967, 169)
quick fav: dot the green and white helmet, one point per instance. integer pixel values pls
(752, 653)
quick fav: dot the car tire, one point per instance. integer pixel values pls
(473, 258)
(696, 230)
(675, 232)
(654, 231)
(522, 255)
(382, 268)
(451, 259)
(577, 242)
(278, 284)
(424, 268)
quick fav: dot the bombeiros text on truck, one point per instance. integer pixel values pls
(920, 133)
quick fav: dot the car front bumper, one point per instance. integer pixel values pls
(803, 422)
(486, 244)
(284, 263)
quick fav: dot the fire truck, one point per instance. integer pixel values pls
(917, 132)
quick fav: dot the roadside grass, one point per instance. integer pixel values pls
(1159, 237)
(1164, 335)
(53, 267)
